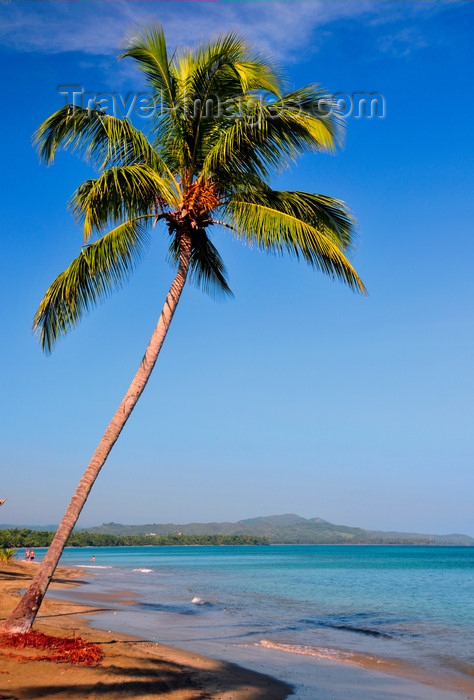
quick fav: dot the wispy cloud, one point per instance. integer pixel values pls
(402, 43)
(288, 30)
(97, 27)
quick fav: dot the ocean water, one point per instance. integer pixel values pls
(411, 606)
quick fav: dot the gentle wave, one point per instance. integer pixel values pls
(168, 608)
(358, 630)
(370, 624)
(319, 652)
(94, 566)
(144, 571)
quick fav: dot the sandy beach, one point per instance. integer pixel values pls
(142, 669)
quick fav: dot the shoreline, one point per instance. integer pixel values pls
(132, 667)
(252, 673)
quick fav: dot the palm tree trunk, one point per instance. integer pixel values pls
(23, 617)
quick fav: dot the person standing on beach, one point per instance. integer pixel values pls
(27, 555)
(32, 555)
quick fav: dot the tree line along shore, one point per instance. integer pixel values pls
(43, 538)
(24, 537)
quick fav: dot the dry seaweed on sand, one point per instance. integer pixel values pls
(73, 650)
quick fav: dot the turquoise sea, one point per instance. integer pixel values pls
(413, 606)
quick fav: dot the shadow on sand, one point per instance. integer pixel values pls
(159, 678)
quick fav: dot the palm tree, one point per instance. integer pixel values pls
(224, 125)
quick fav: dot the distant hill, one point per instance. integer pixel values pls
(287, 529)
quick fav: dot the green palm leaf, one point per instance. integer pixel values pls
(148, 48)
(216, 73)
(329, 215)
(121, 193)
(99, 268)
(96, 136)
(260, 136)
(228, 67)
(206, 267)
(276, 230)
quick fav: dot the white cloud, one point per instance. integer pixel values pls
(288, 29)
(282, 27)
(402, 43)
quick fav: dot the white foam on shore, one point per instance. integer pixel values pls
(318, 652)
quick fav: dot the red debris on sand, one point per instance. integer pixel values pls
(72, 650)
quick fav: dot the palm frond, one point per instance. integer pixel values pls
(148, 47)
(329, 215)
(209, 75)
(228, 67)
(121, 193)
(96, 136)
(90, 278)
(273, 229)
(224, 70)
(206, 268)
(259, 135)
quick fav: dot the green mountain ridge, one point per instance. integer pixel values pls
(287, 529)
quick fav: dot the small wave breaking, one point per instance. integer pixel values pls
(143, 571)
(199, 601)
(318, 652)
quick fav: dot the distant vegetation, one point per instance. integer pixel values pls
(43, 538)
(289, 529)
(273, 529)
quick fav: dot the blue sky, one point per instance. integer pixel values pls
(297, 395)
